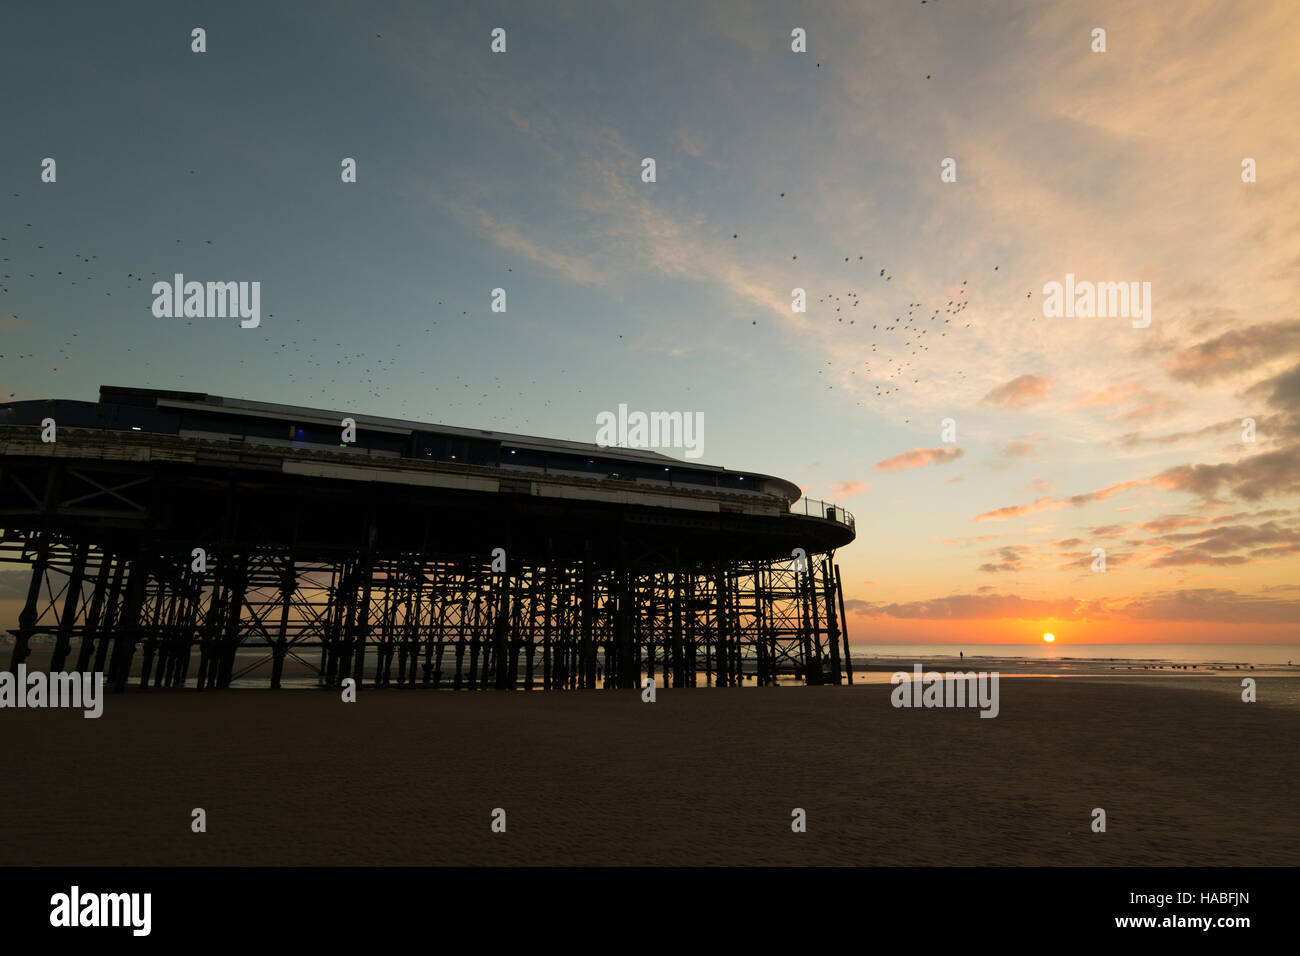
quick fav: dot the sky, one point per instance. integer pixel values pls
(775, 170)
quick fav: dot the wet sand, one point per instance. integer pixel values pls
(1187, 774)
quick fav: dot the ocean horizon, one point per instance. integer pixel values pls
(1209, 653)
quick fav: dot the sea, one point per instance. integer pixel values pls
(1258, 654)
(875, 663)
(1068, 660)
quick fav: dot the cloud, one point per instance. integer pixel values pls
(1019, 392)
(1112, 395)
(977, 607)
(689, 145)
(1049, 503)
(1283, 393)
(1021, 449)
(1170, 522)
(1083, 560)
(1196, 604)
(1237, 516)
(1158, 406)
(844, 489)
(576, 268)
(1286, 390)
(1234, 351)
(1010, 558)
(1108, 530)
(1251, 479)
(625, 231)
(1136, 439)
(1210, 604)
(1179, 559)
(1220, 546)
(1103, 493)
(919, 457)
(1046, 503)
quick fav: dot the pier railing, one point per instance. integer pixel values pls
(823, 509)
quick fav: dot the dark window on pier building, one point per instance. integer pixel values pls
(523, 458)
(740, 482)
(261, 428)
(380, 441)
(687, 476)
(471, 451)
(315, 435)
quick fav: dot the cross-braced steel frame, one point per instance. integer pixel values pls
(412, 620)
(586, 599)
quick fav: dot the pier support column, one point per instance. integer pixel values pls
(96, 609)
(813, 663)
(625, 667)
(832, 623)
(844, 626)
(63, 643)
(112, 613)
(588, 662)
(230, 639)
(721, 623)
(363, 623)
(28, 615)
(127, 631)
(288, 583)
(505, 678)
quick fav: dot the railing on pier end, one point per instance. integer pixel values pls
(823, 509)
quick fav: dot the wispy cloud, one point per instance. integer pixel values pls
(919, 458)
(1020, 391)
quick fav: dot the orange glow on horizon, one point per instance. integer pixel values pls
(881, 629)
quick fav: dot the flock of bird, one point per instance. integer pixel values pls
(324, 370)
(898, 341)
(321, 368)
(918, 331)
(324, 367)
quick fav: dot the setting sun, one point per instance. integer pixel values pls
(1049, 638)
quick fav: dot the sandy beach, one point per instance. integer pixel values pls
(1187, 774)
